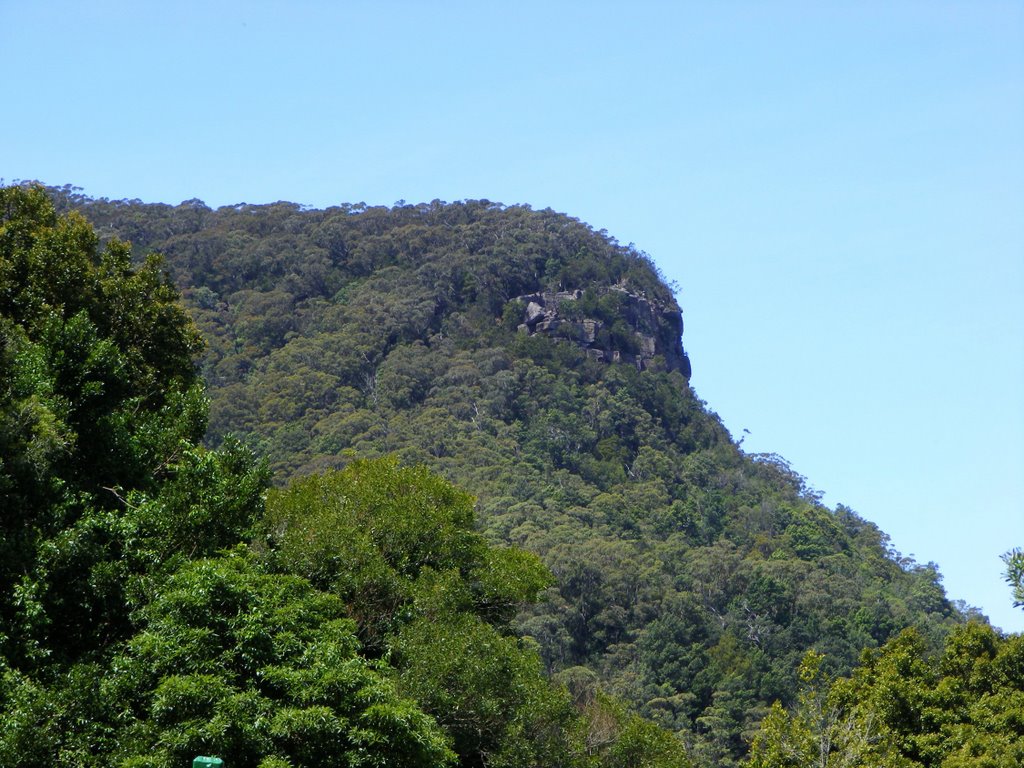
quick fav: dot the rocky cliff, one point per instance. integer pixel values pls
(614, 325)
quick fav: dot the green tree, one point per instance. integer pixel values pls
(397, 546)
(907, 706)
(396, 542)
(1014, 560)
(617, 738)
(98, 396)
(486, 690)
(237, 662)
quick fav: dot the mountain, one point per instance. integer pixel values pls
(538, 364)
(158, 601)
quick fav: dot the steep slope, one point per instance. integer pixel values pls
(537, 363)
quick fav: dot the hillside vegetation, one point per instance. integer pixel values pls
(348, 603)
(157, 603)
(689, 579)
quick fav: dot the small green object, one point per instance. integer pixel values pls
(207, 762)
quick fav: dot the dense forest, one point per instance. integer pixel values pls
(434, 490)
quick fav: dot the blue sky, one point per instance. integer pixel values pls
(837, 189)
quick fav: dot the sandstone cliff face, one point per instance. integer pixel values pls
(637, 333)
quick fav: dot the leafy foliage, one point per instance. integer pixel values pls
(98, 392)
(433, 598)
(234, 661)
(1014, 560)
(907, 707)
(251, 666)
(397, 543)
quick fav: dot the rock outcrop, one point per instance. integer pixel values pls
(615, 325)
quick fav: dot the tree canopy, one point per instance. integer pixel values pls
(99, 394)
(906, 707)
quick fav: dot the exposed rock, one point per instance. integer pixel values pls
(656, 329)
(533, 312)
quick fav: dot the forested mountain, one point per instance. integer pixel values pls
(157, 604)
(537, 364)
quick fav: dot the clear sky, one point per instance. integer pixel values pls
(836, 187)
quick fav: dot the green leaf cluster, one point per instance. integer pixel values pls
(98, 393)
(906, 707)
(1014, 560)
